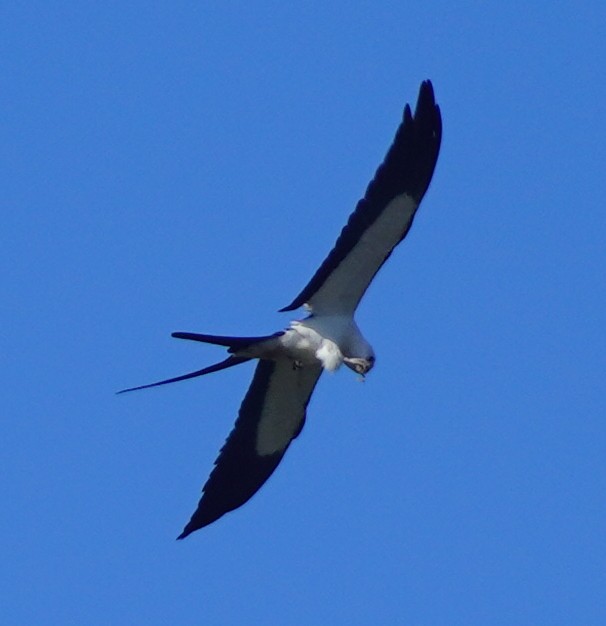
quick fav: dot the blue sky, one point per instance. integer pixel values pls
(186, 166)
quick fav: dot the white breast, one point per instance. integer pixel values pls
(326, 339)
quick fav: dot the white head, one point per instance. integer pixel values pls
(340, 342)
(360, 356)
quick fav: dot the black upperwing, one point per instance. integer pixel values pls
(272, 414)
(384, 215)
(233, 344)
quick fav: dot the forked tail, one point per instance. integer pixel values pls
(230, 361)
(233, 344)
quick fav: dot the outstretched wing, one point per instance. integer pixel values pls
(383, 217)
(272, 414)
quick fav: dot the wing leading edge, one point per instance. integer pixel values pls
(384, 215)
(272, 414)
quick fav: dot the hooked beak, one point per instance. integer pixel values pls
(358, 365)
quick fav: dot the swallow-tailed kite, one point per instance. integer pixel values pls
(290, 362)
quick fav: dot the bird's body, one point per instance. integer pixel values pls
(291, 361)
(325, 340)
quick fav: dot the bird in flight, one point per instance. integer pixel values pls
(290, 362)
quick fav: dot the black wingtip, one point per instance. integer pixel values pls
(197, 522)
(407, 168)
(426, 93)
(191, 527)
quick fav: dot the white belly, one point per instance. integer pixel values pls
(326, 339)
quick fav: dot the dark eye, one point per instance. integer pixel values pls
(371, 359)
